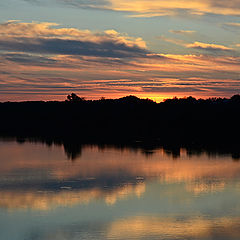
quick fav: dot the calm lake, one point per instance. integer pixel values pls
(96, 192)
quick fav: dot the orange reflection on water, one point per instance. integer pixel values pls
(175, 228)
(205, 187)
(159, 165)
(49, 199)
(200, 174)
(95, 162)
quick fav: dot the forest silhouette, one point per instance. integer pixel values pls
(175, 122)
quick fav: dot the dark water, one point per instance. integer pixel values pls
(113, 193)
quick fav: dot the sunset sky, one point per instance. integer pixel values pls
(112, 48)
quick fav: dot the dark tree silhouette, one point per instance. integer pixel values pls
(128, 119)
(74, 98)
(235, 98)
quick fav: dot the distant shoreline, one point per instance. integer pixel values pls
(214, 121)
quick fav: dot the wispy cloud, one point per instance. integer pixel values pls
(208, 47)
(147, 77)
(183, 32)
(232, 24)
(148, 8)
(172, 40)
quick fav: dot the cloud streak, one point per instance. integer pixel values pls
(208, 47)
(183, 32)
(151, 8)
(232, 24)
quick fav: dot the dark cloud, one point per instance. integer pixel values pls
(72, 47)
(74, 3)
(27, 59)
(230, 4)
(85, 3)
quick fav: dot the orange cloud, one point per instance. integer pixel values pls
(14, 30)
(184, 32)
(155, 76)
(147, 8)
(196, 45)
(207, 46)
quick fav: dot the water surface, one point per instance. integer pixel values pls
(50, 193)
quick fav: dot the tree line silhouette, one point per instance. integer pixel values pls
(127, 119)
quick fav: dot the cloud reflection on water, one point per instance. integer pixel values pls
(49, 200)
(36, 177)
(174, 228)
